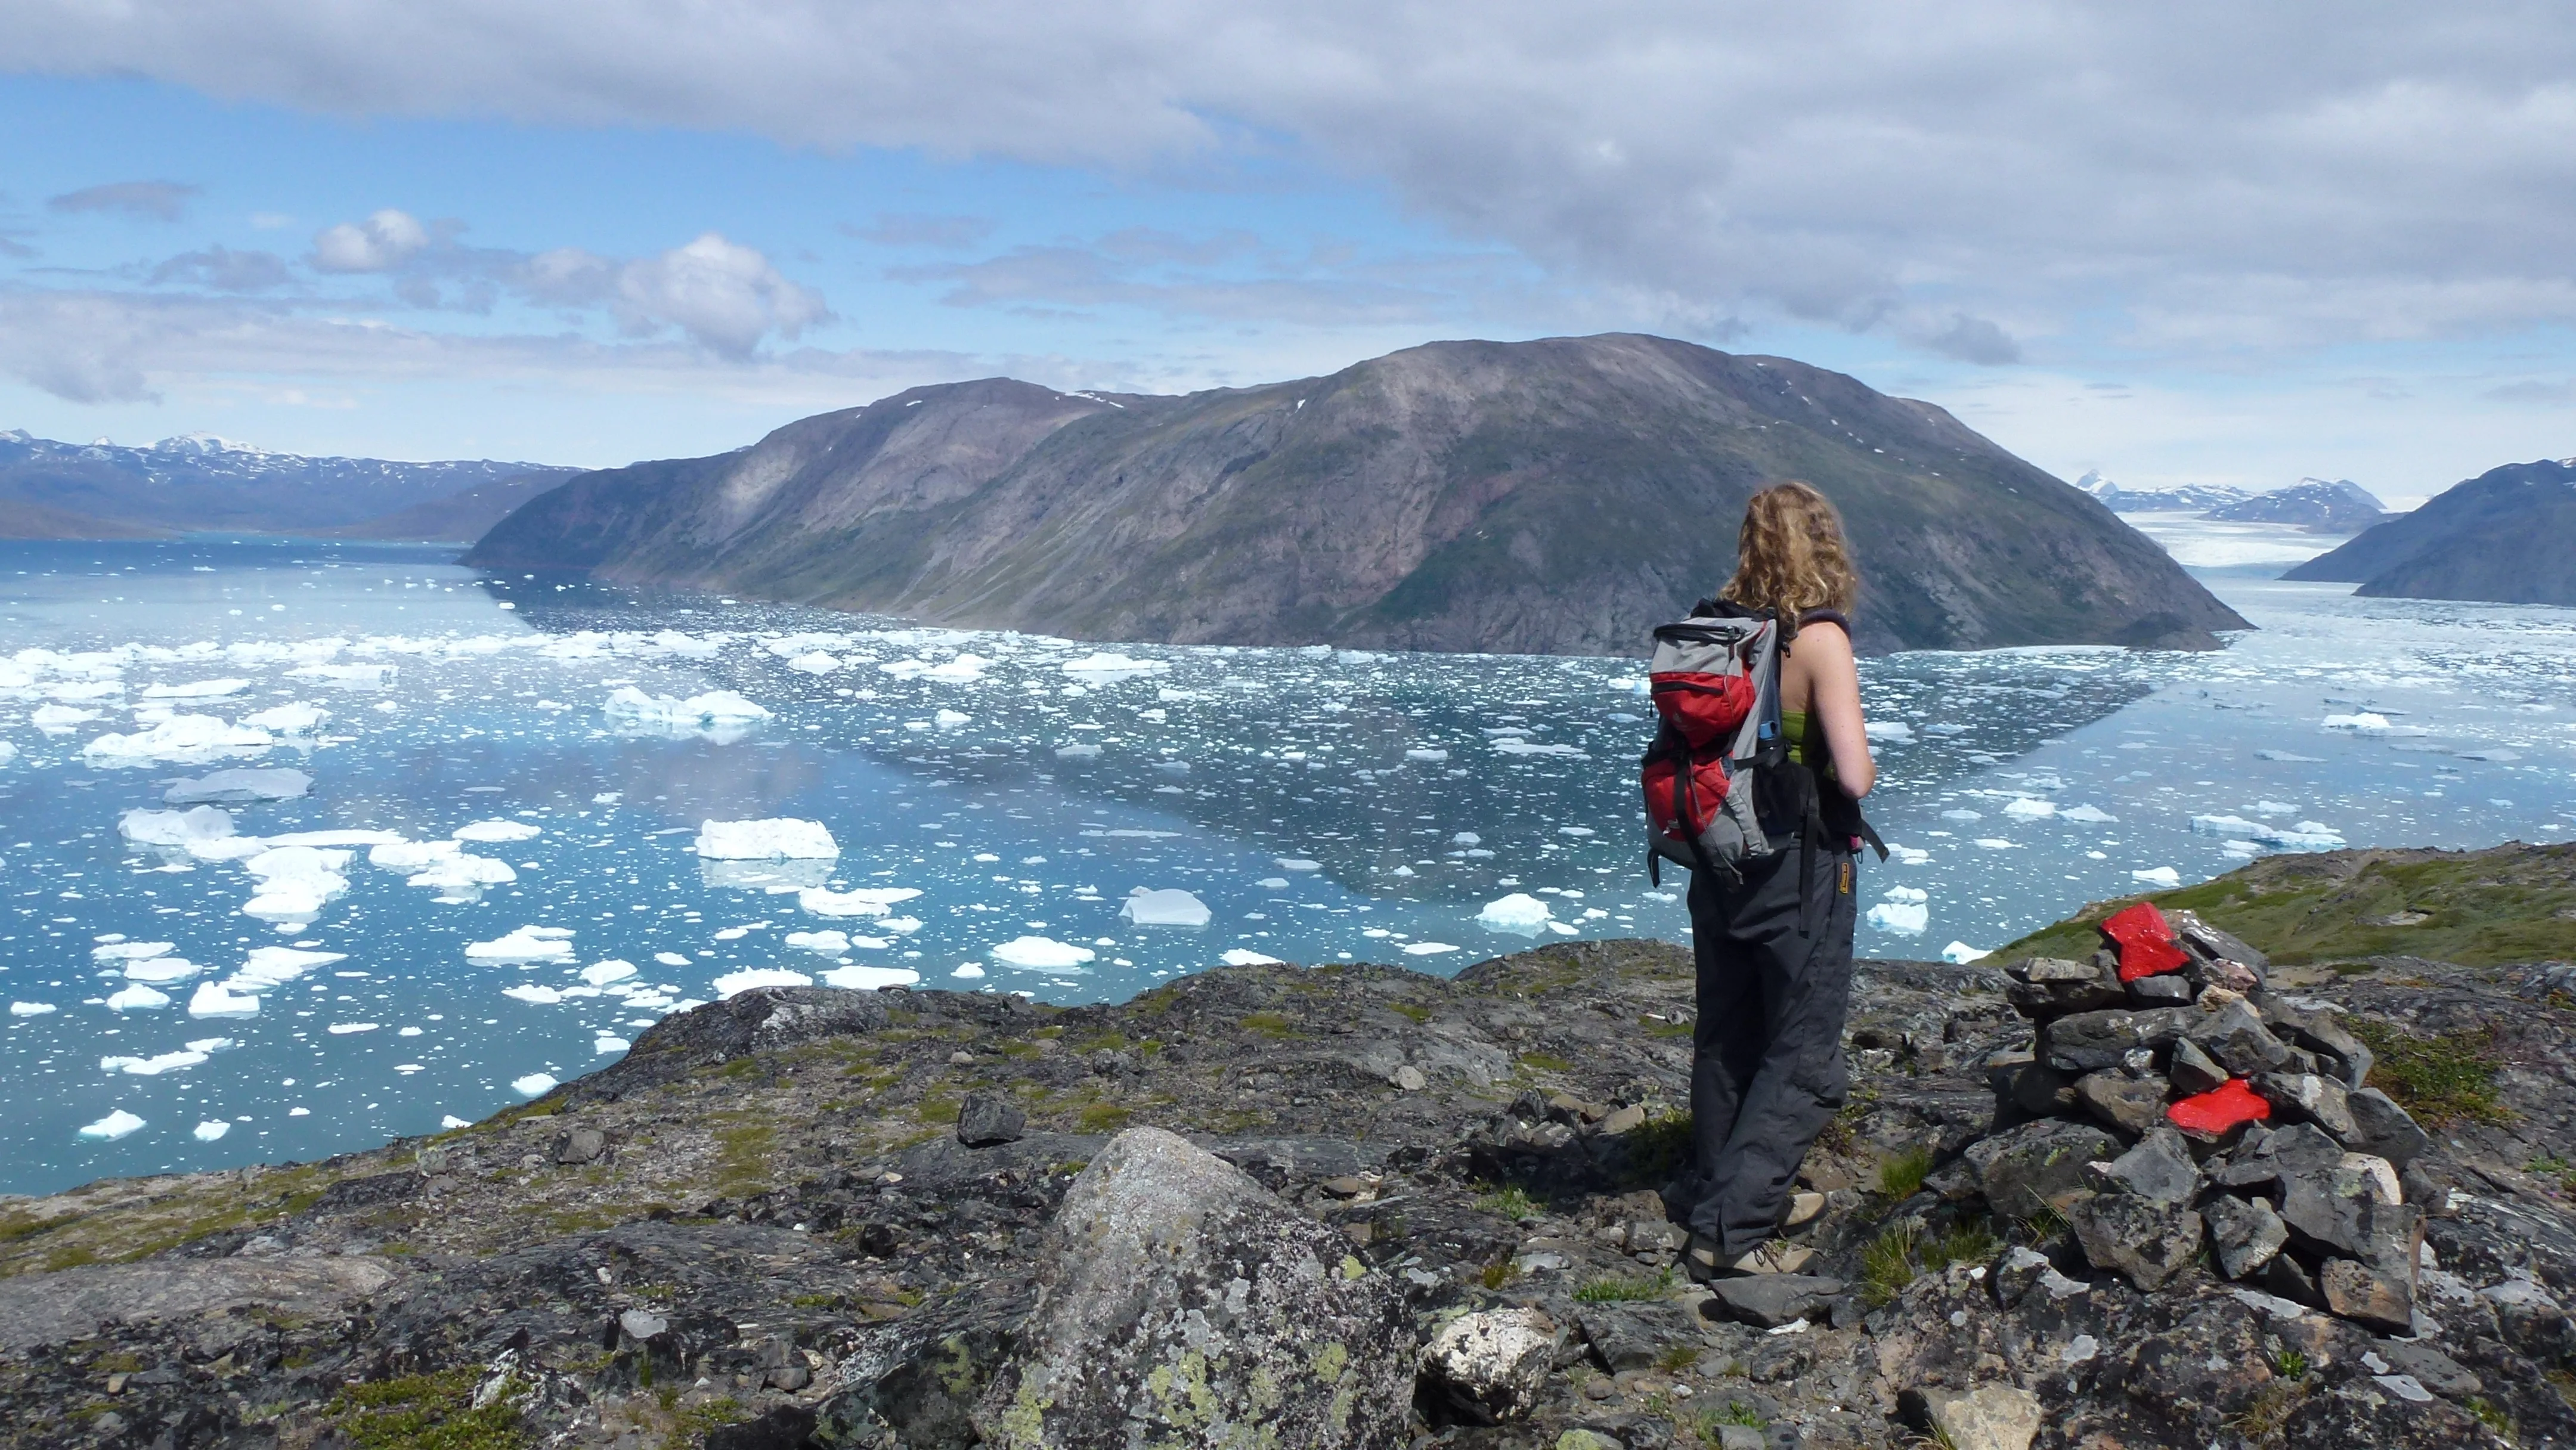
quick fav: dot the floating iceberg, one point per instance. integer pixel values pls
(295, 719)
(2090, 815)
(526, 944)
(181, 739)
(2158, 876)
(196, 690)
(1247, 957)
(600, 974)
(195, 1053)
(1893, 731)
(1959, 953)
(1038, 953)
(2029, 808)
(158, 970)
(460, 876)
(410, 855)
(267, 967)
(815, 662)
(866, 901)
(212, 1129)
(1905, 912)
(1519, 913)
(1514, 745)
(2305, 836)
(213, 999)
(724, 713)
(30, 1009)
(129, 951)
(869, 979)
(764, 840)
(238, 787)
(533, 994)
(294, 882)
(114, 1126)
(137, 998)
(1428, 948)
(535, 1084)
(496, 831)
(750, 978)
(1167, 907)
(830, 943)
(2365, 723)
(1104, 668)
(59, 717)
(1427, 756)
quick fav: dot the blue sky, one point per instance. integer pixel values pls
(2192, 246)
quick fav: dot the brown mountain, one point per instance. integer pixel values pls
(1559, 496)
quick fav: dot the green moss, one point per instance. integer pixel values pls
(1887, 1265)
(1510, 1201)
(1901, 1176)
(1272, 1025)
(1658, 1148)
(428, 1412)
(2477, 908)
(1103, 1118)
(1623, 1289)
(2445, 1079)
(1545, 1062)
(1408, 1010)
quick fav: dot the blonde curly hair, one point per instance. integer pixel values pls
(1791, 554)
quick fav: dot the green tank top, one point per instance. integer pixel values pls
(1805, 748)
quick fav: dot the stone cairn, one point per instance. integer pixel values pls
(2171, 1097)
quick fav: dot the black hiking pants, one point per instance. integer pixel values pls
(1767, 1051)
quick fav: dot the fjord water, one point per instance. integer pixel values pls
(1324, 806)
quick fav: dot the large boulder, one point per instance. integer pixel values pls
(1183, 1304)
(1492, 1366)
(2037, 1165)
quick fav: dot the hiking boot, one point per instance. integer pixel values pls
(1704, 1259)
(1774, 1256)
(1804, 1209)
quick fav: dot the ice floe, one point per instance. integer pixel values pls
(180, 739)
(31, 1009)
(1247, 957)
(869, 979)
(828, 942)
(1905, 912)
(492, 831)
(1959, 953)
(1169, 906)
(137, 998)
(297, 718)
(1038, 953)
(524, 944)
(238, 787)
(600, 974)
(115, 1125)
(771, 839)
(733, 983)
(867, 901)
(535, 1084)
(212, 1129)
(1519, 913)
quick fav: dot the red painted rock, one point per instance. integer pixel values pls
(2146, 942)
(2219, 1111)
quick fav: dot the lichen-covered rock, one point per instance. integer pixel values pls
(1183, 1303)
(2383, 1128)
(1489, 1367)
(985, 1119)
(2131, 1104)
(1989, 1417)
(2158, 1170)
(2247, 1233)
(2149, 1242)
(2037, 1165)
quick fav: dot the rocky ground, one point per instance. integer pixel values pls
(804, 1216)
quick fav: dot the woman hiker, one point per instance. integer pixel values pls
(1775, 949)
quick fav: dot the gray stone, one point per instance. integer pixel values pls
(987, 1119)
(2042, 1091)
(2263, 1159)
(2381, 1127)
(580, 1145)
(2147, 1242)
(2235, 1038)
(2208, 942)
(2054, 988)
(2053, 970)
(1490, 1367)
(2342, 1210)
(2193, 1072)
(1183, 1303)
(2134, 1105)
(1990, 1417)
(2015, 1273)
(2287, 1278)
(2430, 1367)
(2037, 1165)
(1635, 1335)
(2247, 1235)
(2368, 1296)
(2158, 1170)
(2318, 1032)
(2166, 989)
(1741, 1437)
(2308, 1098)
(1771, 1300)
(2091, 1041)
(74, 1303)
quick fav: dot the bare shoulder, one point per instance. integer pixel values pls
(1822, 642)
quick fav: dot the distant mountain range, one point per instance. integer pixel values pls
(2507, 535)
(198, 481)
(2336, 506)
(1559, 496)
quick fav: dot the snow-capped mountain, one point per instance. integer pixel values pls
(202, 481)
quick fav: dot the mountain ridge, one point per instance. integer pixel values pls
(1557, 496)
(200, 481)
(2504, 536)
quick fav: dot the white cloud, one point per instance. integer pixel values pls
(379, 244)
(723, 295)
(1973, 178)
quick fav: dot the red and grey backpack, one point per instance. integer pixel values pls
(1716, 684)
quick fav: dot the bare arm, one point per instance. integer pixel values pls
(1833, 682)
